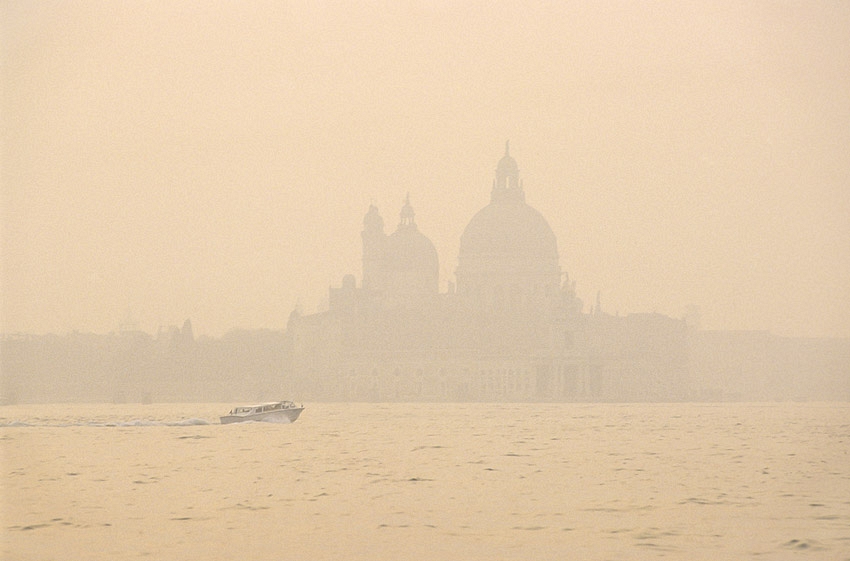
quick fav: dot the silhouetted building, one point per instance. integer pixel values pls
(512, 330)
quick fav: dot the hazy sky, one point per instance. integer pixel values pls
(214, 160)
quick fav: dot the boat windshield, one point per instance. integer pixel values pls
(264, 407)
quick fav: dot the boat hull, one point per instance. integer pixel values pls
(274, 416)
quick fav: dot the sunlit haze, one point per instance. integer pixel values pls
(214, 161)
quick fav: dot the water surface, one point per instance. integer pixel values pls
(419, 481)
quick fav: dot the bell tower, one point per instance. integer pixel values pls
(374, 249)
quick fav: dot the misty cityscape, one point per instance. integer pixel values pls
(510, 328)
(424, 280)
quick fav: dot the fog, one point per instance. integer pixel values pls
(215, 161)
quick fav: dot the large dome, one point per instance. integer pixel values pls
(508, 228)
(508, 259)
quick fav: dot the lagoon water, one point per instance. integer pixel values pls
(427, 482)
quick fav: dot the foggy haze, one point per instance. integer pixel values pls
(214, 162)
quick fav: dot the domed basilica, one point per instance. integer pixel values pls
(512, 329)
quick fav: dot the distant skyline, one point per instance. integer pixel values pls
(215, 161)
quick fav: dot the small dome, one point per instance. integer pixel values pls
(409, 249)
(508, 228)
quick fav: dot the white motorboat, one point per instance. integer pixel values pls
(276, 412)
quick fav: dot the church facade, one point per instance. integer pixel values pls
(510, 329)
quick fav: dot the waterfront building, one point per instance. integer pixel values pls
(510, 329)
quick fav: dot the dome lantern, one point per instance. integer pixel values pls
(407, 214)
(507, 185)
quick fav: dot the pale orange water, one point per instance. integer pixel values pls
(422, 482)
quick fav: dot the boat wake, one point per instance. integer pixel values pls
(89, 423)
